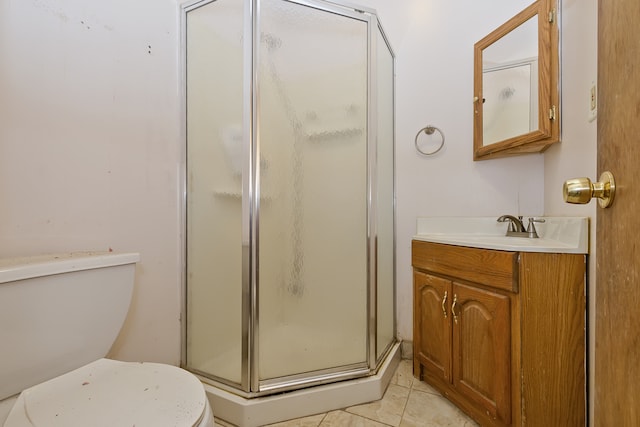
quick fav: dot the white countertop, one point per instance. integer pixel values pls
(556, 234)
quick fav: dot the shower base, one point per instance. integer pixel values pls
(296, 404)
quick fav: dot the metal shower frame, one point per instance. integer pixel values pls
(250, 385)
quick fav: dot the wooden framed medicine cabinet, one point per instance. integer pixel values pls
(516, 85)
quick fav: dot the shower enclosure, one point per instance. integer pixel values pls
(289, 193)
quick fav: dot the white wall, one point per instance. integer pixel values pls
(90, 144)
(576, 155)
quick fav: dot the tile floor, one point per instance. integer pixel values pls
(406, 403)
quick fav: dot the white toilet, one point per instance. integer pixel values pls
(59, 316)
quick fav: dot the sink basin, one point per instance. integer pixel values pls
(557, 234)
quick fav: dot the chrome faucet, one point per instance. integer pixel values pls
(516, 227)
(515, 224)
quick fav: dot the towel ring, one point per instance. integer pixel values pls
(429, 130)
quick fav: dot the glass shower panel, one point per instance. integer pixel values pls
(214, 189)
(385, 197)
(312, 104)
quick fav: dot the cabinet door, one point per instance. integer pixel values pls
(432, 330)
(481, 349)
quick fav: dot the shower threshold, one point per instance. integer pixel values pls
(259, 411)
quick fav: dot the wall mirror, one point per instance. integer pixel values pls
(516, 86)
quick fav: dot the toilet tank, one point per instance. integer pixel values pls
(60, 312)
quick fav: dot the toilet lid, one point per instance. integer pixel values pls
(112, 393)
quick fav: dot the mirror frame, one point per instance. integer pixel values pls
(548, 131)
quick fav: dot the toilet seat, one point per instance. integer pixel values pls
(110, 393)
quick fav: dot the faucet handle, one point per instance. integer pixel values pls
(531, 228)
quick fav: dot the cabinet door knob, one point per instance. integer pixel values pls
(444, 301)
(453, 308)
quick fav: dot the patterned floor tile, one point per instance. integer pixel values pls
(387, 410)
(345, 419)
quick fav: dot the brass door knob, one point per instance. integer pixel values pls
(581, 190)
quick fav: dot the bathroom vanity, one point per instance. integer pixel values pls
(499, 322)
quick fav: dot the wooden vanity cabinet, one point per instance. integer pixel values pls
(467, 346)
(502, 334)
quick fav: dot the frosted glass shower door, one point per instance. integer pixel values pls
(312, 109)
(385, 198)
(214, 210)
